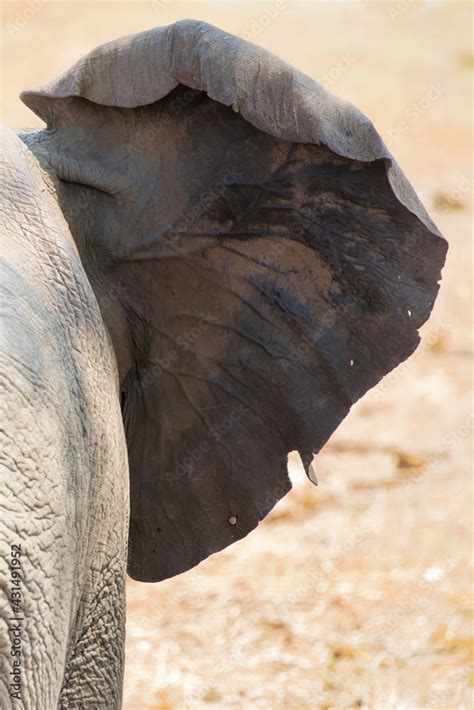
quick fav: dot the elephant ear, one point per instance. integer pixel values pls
(290, 278)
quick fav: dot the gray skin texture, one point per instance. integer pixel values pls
(64, 463)
(209, 259)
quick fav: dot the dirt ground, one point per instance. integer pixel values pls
(355, 594)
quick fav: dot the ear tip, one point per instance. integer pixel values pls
(27, 96)
(307, 459)
(35, 101)
(311, 473)
(31, 98)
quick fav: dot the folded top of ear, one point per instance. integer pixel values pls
(292, 276)
(269, 93)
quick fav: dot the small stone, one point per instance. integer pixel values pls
(233, 520)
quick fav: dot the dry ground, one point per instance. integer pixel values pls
(357, 593)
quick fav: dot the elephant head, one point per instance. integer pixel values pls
(259, 259)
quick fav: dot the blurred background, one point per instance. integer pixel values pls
(355, 594)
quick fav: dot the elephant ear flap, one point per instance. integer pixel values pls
(296, 290)
(294, 275)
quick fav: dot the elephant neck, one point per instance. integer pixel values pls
(42, 144)
(76, 207)
(39, 143)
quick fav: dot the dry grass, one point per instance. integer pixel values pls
(355, 594)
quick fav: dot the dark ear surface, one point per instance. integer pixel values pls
(293, 276)
(283, 304)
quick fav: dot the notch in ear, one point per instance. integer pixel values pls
(282, 268)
